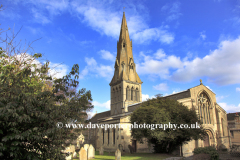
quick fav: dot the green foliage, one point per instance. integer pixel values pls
(207, 150)
(31, 104)
(163, 111)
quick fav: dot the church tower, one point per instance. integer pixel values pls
(125, 84)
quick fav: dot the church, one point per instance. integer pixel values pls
(126, 96)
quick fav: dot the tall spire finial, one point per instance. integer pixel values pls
(123, 9)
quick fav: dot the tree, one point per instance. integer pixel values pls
(32, 103)
(162, 111)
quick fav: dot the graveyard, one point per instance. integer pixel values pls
(88, 152)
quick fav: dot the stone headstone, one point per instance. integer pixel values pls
(101, 150)
(118, 155)
(86, 146)
(91, 152)
(74, 154)
(82, 154)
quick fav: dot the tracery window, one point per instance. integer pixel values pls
(204, 105)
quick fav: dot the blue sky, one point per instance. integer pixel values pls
(175, 43)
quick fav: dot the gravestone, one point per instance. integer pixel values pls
(118, 155)
(86, 146)
(101, 150)
(74, 154)
(91, 152)
(82, 154)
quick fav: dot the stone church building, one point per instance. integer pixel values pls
(126, 96)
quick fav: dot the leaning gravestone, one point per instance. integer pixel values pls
(91, 152)
(101, 150)
(82, 154)
(118, 155)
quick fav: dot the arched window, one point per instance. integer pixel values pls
(204, 104)
(132, 94)
(137, 95)
(127, 93)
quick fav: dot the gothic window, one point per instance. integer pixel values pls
(137, 95)
(132, 94)
(127, 93)
(123, 45)
(131, 64)
(204, 104)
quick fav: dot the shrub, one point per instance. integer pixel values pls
(207, 150)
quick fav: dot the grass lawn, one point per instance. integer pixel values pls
(128, 156)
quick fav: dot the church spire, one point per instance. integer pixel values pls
(124, 35)
(124, 65)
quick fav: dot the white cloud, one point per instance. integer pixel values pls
(161, 67)
(238, 89)
(160, 54)
(39, 17)
(145, 97)
(97, 70)
(203, 35)
(219, 98)
(105, 21)
(221, 66)
(172, 10)
(230, 108)
(107, 55)
(156, 34)
(90, 114)
(103, 105)
(58, 70)
(161, 87)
